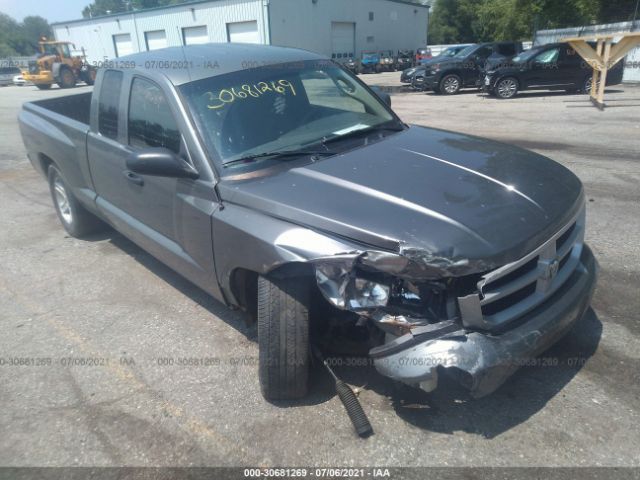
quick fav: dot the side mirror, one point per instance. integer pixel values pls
(160, 162)
(384, 96)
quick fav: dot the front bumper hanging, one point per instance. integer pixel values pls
(486, 360)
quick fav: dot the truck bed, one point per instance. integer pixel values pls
(76, 107)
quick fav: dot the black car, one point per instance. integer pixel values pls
(404, 60)
(464, 69)
(410, 74)
(556, 66)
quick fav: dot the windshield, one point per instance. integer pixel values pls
(526, 56)
(466, 51)
(280, 108)
(449, 52)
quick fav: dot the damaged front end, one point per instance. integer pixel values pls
(421, 304)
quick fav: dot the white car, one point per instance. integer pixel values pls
(7, 74)
(19, 80)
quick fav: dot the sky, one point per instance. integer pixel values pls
(52, 10)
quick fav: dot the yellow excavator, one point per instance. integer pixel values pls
(56, 64)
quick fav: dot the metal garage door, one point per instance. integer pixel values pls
(343, 40)
(243, 32)
(195, 35)
(155, 39)
(122, 44)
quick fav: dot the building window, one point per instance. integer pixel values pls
(371, 16)
(371, 39)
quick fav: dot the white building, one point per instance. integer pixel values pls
(337, 28)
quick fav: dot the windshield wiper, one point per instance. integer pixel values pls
(365, 131)
(282, 154)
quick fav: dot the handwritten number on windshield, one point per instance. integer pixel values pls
(246, 91)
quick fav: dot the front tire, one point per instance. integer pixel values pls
(506, 88)
(283, 337)
(67, 79)
(450, 84)
(75, 219)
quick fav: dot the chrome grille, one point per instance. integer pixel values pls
(513, 290)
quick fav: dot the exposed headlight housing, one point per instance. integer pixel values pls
(365, 294)
(349, 292)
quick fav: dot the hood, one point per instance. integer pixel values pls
(426, 191)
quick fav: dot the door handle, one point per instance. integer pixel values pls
(133, 178)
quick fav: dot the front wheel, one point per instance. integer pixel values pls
(506, 88)
(283, 337)
(75, 219)
(67, 78)
(450, 84)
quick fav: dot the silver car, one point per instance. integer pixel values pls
(7, 74)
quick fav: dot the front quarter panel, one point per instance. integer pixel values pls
(250, 240)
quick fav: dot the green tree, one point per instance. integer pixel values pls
(461, 21)
(105, 7)
(21, 39)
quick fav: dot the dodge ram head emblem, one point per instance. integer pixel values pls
(550, 269)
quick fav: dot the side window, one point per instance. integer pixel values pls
(108, 104)
(548, 57)
(484, 52)
(151, 123)
(507, 49)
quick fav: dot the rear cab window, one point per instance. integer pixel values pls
(108, 104)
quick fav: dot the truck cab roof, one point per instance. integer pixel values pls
(195, 62)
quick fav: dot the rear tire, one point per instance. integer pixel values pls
(89, 76)
(283, 337)
(75, 219)
(45, 86)
(586, 86)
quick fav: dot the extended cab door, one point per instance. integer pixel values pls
(168, 217)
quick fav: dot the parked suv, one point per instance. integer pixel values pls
(418, 73)
(556, 66)
(463, 70)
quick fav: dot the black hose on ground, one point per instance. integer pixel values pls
(349, 400)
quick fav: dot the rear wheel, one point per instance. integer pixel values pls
(506, 88)
(43, 86)
(586, 87)
(283, 337)
(75, 219)
(66, 78)
(89, 76)
(450, 84)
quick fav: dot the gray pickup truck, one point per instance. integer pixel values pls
(292, 191)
